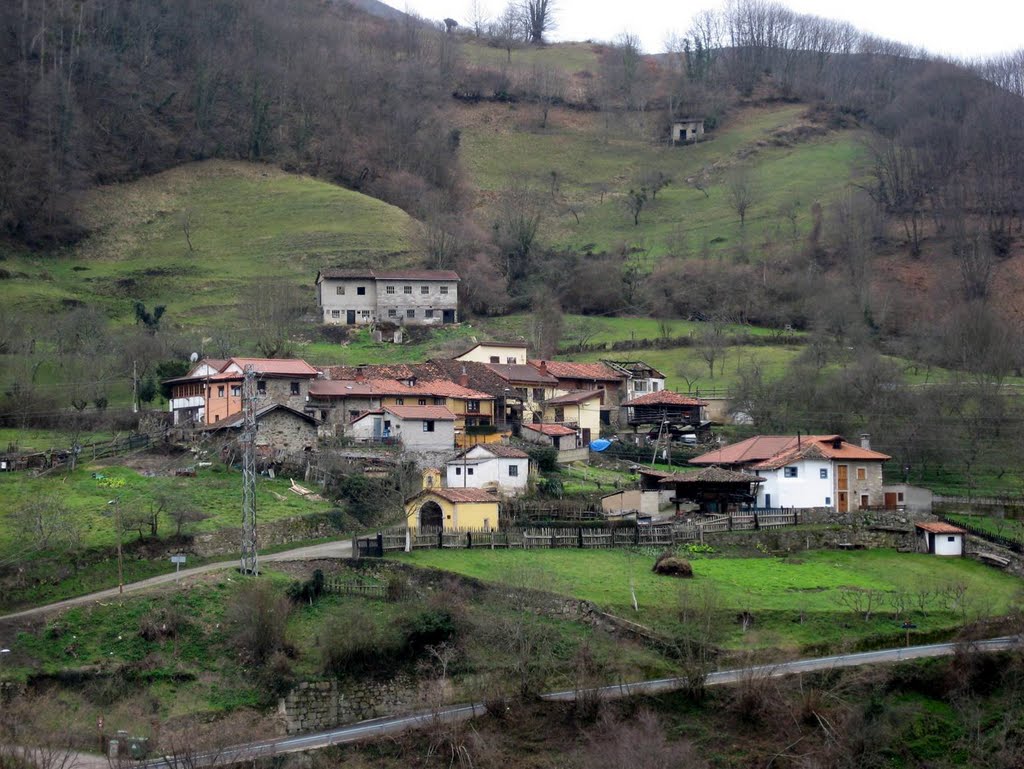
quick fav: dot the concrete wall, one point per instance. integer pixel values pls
(914, 497)
(413, 437)
(945, 544)
(807, 489)
(587, 415)
(632, 500)
(377, 304)
(484, 471)
(329, 300)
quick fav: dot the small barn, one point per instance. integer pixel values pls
(448, 509)
(687, 130)
(940, 538)
(714, 489)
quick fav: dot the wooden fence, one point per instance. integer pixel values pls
(40, 460)
(1013, 543)
(346, 586)
(580, 537)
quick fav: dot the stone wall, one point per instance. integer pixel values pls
(270, 533)
(315, 705)
(790, 539)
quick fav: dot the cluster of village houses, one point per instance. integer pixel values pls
(465, 420)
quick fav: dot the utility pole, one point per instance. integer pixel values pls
(249, 563)
(135, 388)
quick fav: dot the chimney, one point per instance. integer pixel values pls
(360, 374)
(463, 379)
(865, 441)
(543, 367)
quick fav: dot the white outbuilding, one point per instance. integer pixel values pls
(940, 538)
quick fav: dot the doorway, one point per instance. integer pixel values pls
(431, 516)
(844, 502)
(448, 316)
(350, 317)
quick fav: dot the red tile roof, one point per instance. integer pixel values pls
(497, 449)
(552, 430)
(665, 398)
(940, 527)
(276, 366)
(762, 451)
(439, 413)
(369, 274)
(461, 495)
(577, 396)
(568, 370)
(442, 388)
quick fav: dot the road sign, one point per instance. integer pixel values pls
(177, 559)
(99, 723)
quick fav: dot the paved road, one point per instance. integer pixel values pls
(336, 549)
(385, 726)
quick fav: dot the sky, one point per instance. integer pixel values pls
(974, 29)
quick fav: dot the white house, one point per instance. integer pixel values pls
(807, 471)
(417, 428)
(495, 352)
(404, 297)
(489, 466)
(940, 538)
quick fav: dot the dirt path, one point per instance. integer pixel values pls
(336, 549)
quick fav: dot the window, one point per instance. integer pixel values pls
(295, 388)
(335, 313)
(424, 289)
(340, 291)
(823, 472)
(654, 387)
(261, 386)
(640, 386)
(513, 471)
(236, 391)
(469, 471)
(364, 313)
(361, 290)
(428, 425)
(864, 502)
(862, 473)
(828, 501)
(392, 313)
(559, 414)
(789, 472)
(410, 313)
(422, 402)
(951, 539)
(899, 496)
(538, 393)
(495, 359)
(428, 313)
(443, 289)
(389, 290)
(407, 289)
(323, 415)
(458, 471)
(511, 359)
(440, 401)
(399, 401)
(220, 391)
(473, 407)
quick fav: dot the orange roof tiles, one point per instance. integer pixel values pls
(439, 413)
(940, 527)
(768, 449)
(577, 396)
(461, 495)
(552, 430)
(570, 370)
(276, 366)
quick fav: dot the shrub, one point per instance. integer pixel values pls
(427, 628)
(669, 564)
(307, 591)
(545, 457)
(258, 618)
(354, 645)
(162, 623)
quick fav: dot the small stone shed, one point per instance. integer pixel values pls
(687, 130)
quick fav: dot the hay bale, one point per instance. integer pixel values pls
(672, 565)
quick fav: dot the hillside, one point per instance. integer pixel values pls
(246, 221)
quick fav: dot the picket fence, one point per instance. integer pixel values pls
(581, 537)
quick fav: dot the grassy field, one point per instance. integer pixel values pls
(215, 491)
(776, 591)
(584, 152)
(247, 221)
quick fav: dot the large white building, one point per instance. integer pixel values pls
(491, 466)
(402, 297)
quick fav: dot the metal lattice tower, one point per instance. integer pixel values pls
(249, 561)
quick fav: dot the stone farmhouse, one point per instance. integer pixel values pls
(403, 297)
(807, 471)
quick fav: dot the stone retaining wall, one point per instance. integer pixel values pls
(812, 538)
(271, 533)
(314, 705)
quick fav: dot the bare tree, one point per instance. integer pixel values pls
(635, 201)
(45, 521)
(508, 30)
(272, 309)
(258, 617)
(742, 192)
(479, 17)
(638, 743)
(539, 16)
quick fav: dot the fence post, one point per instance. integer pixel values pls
(469, 540)
(729, 521)
(554, 541)
(581, 537)
(408, 540)
(355, 546)
(796, 516)
(757, 524)
(380, 544)
(636, 534)
(440, 538)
